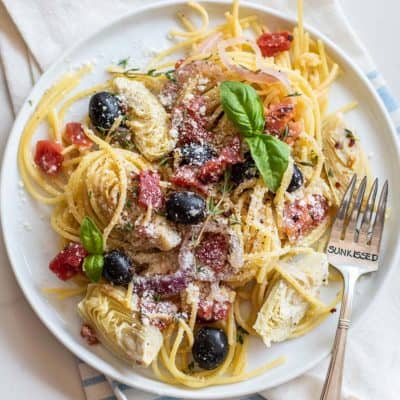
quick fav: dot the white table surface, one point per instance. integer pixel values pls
(33, 364)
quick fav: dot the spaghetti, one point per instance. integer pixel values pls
(245, 258)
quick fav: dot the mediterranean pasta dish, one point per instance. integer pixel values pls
(195, 197)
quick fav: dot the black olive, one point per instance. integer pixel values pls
(104, 109)
(297, 180)
(210, 347)
(185, 208)
(118, 267)
(196, 154)
(245, 170)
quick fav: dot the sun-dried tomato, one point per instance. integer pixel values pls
(68, 262)
(271, 44)
(149, 190)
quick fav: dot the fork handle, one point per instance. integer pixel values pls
(332, 389)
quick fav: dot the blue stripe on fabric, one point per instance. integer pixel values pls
(165, 398)
(94, 380)
(123, 387)
(373, 74)
(110, 398)
(389, 101)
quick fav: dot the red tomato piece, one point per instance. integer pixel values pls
(279, 115)
(48, 156)
(88, 333)
(301, 216)
(187, 177)
(69, 261)
(214, 302)
(189, 121)
(213, 169)
(212, 311)
(271, 44)
(149, 190)
(213, 251)
(75, 134)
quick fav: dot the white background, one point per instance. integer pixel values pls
(32, 363)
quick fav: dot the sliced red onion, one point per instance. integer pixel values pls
(171, 284)
(208, 44)
(264, 75)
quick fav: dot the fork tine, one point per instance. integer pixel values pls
(377, 228)
(338, 224)
(366, 222)
(355, 213)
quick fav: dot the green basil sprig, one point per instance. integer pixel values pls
(244, 108)
(91, 237)
(92, 241)
(93, 266)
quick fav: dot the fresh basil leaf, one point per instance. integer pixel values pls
(243, 107)
(271, 157)
(93, 266)
(91, 237)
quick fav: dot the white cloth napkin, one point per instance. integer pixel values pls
(44, 28)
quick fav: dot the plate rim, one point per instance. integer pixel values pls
(169, 389)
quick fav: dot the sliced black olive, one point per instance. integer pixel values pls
(210, 347)
(196, 154)
(185, 208)
(104, 109)
(297, 180)
(245, 170)
(118, 267)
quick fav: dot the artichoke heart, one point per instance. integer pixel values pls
(117, 325)
(343, 155)
(284, 307)
(147, 119)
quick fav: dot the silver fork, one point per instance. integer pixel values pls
(353, 249)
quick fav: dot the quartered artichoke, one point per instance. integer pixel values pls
(147, 119)
(284, 308)
(343, 155)
(117, 325)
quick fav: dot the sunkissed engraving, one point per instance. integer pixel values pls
(359, 255)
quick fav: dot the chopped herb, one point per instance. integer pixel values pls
(164, 161)
(191, 366)
(128, 204)
(330, 173)
(161, 213)
(350, 135)
(227, 186)
(123, 62)
(128, 227)
(213, 208)
(152, 72)
(102, 130)
(314, 159)
(285, 133)
(157, 297)
(234, 220)
(240, 335)
(294, 94)
(133, 69)
(305, 163)
(30, 102)
(90, 194)
(170, 75)
(199, 268)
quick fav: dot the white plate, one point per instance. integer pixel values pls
(31, 243)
